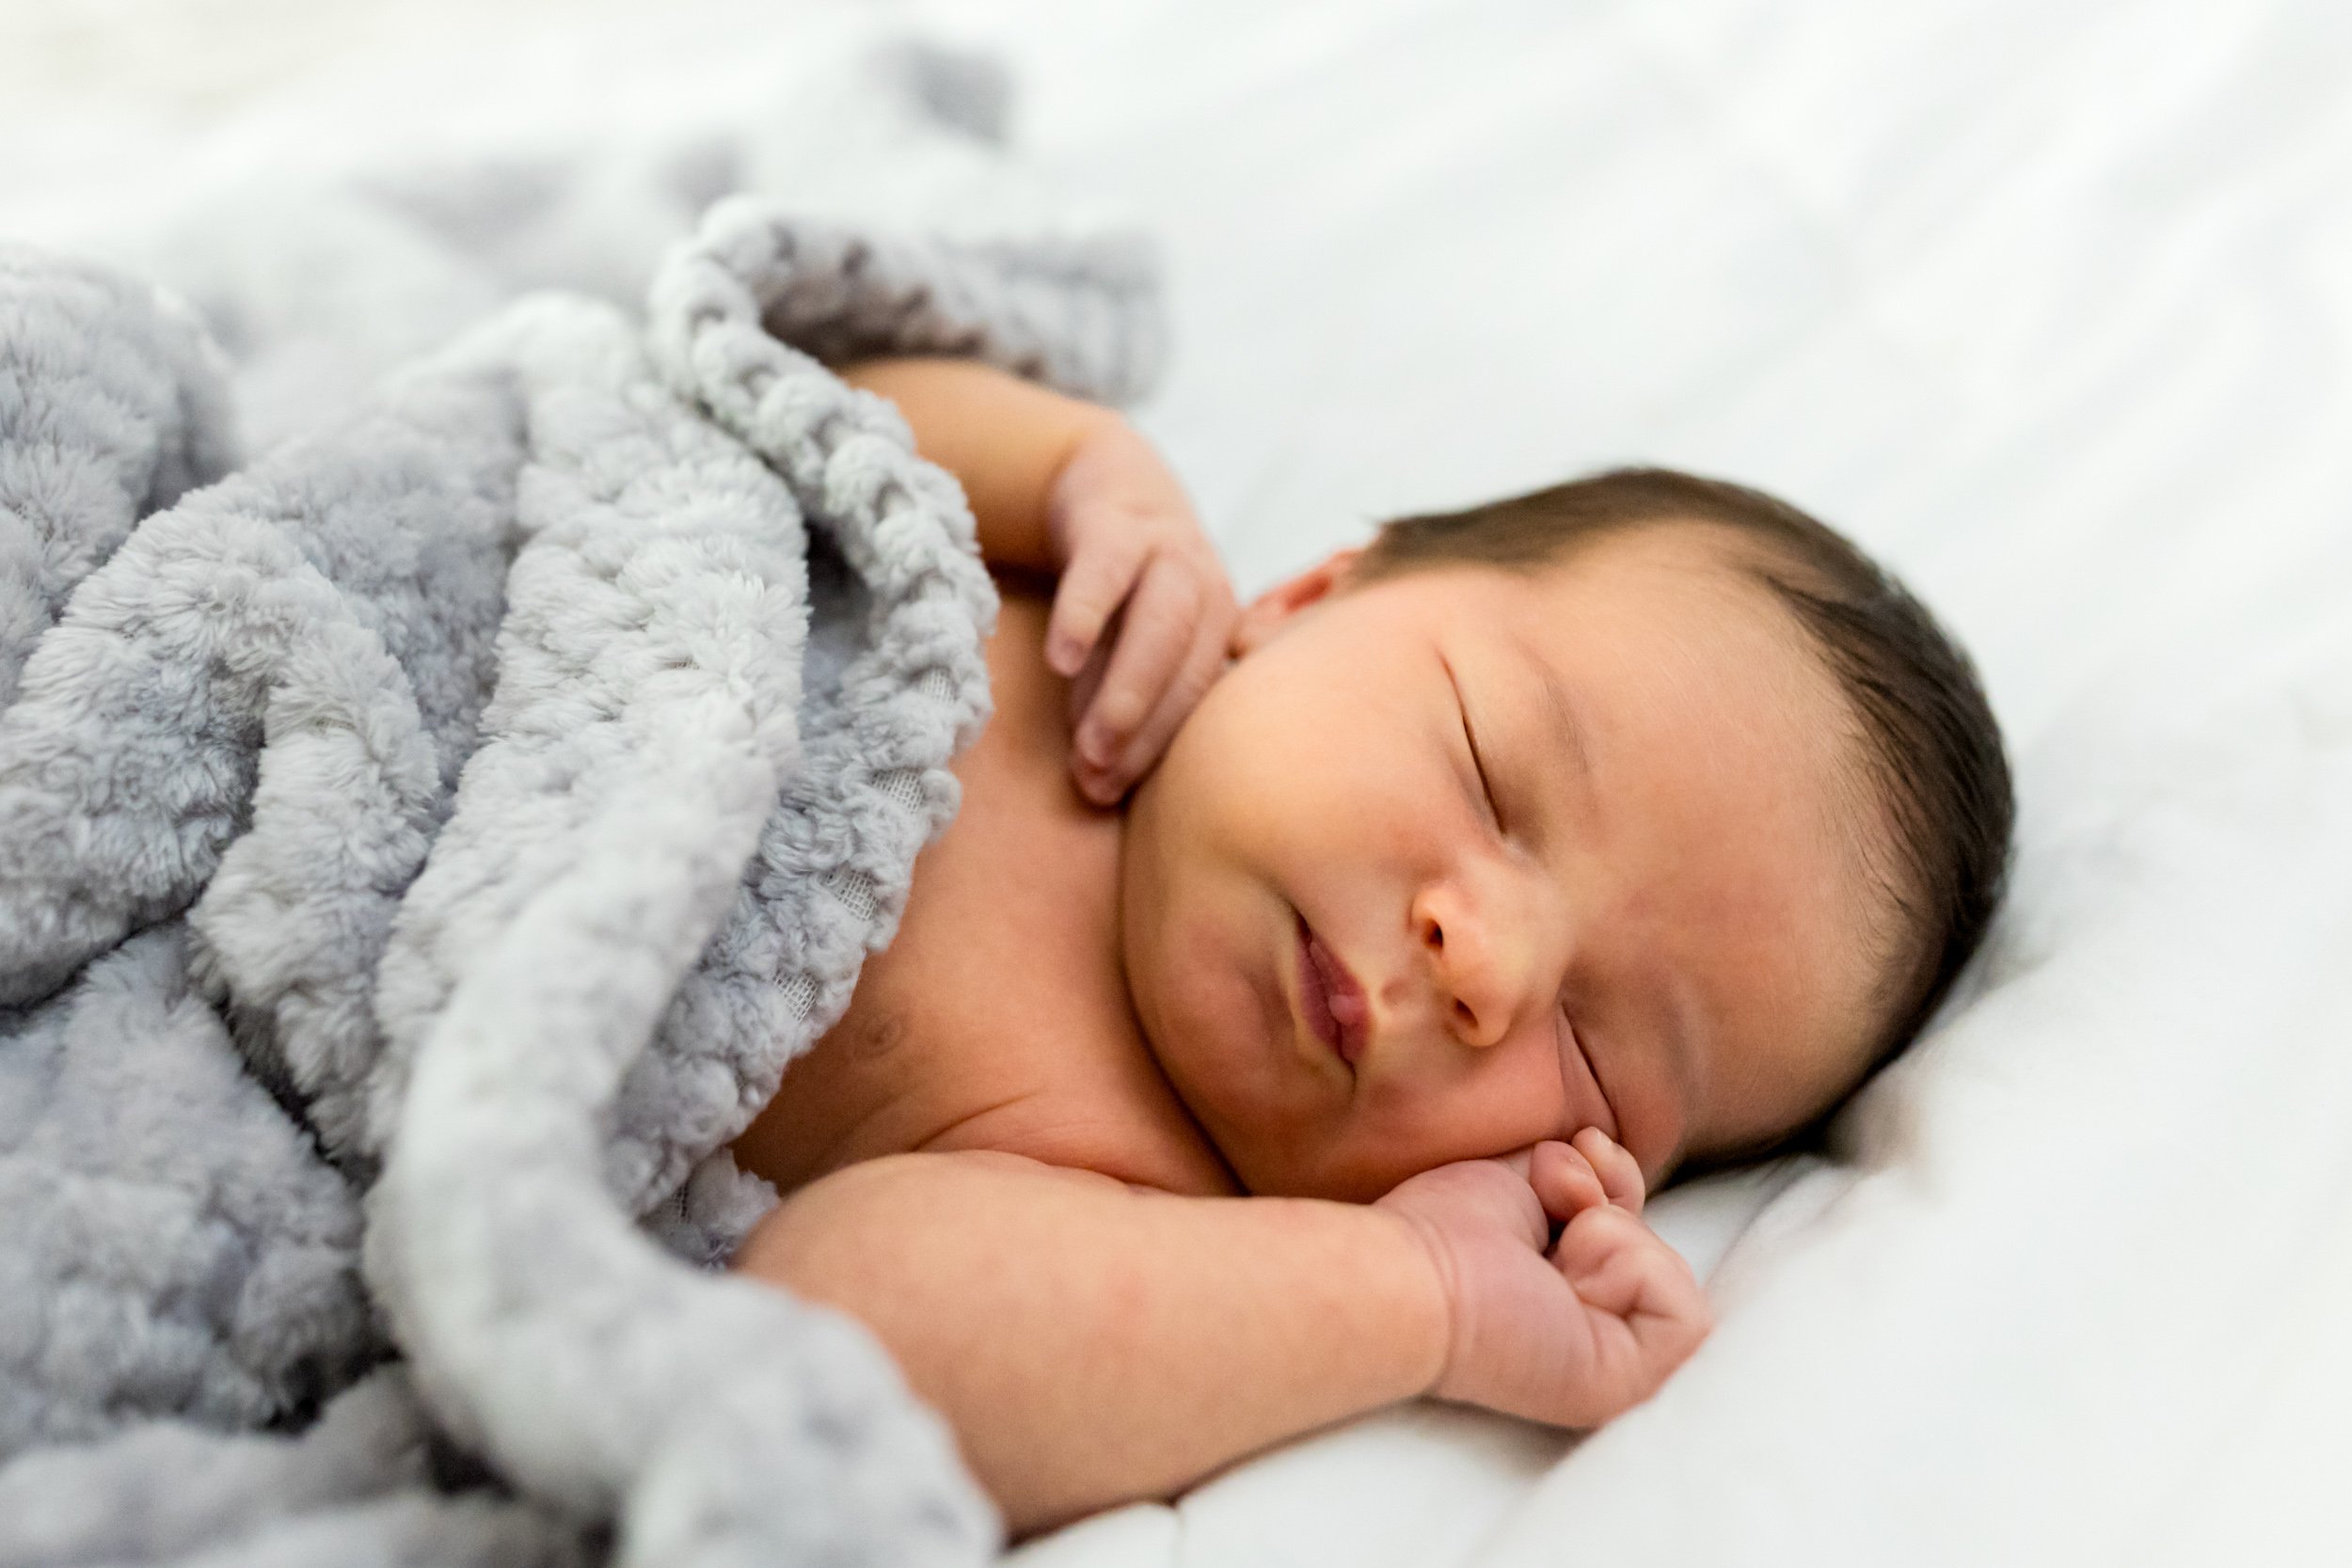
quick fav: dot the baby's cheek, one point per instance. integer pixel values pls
(1650, 1123)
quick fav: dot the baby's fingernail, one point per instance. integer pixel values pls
(1097, 786)
(1063, 656)
(1110, 750)
(1095, 745)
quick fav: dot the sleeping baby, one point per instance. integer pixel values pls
(1304, 998)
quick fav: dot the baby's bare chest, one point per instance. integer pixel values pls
(998, 1016)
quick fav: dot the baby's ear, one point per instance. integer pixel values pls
(1266, 613)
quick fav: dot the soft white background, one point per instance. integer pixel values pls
(2046, 302)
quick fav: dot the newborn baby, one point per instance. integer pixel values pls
(1511, 863)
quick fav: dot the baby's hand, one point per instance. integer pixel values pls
(1143, 613)
(1573, 1335)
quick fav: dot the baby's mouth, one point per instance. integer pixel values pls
(1330, 998)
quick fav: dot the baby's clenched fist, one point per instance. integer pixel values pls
(1571, 1331)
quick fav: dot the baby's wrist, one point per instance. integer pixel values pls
(1110, 471)
(1429, 1267)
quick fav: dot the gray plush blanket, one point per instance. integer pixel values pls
(422, 846)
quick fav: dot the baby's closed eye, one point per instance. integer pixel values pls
(1487, 800)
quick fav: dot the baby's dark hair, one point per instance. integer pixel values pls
(1931, 742)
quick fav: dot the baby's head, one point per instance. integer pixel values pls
(1643, 802)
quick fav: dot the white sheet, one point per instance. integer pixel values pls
(2046, 300)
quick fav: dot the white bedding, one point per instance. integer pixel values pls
(2048, 302)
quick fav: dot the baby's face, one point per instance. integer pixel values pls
(1354, 967)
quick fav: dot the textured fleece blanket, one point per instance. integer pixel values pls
(422, 847)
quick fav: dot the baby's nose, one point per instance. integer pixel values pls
(1482, 971)
(1482, 1011)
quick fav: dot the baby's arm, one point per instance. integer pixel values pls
(1143, 612)
(1004, 439)
(1093, 1343)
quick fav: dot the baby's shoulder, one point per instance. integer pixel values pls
(1025, 864)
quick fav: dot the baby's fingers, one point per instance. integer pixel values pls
(1620, 1173)
(1092, 588)
(1154, 634)
(1618, 1265)
(1644, 1313)
(1564, 1181)
(1202, 664)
